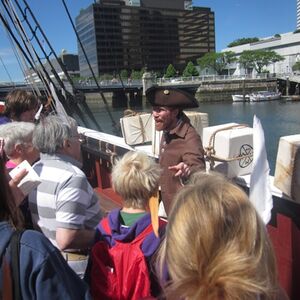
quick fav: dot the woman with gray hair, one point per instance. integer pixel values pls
(43, 273)
(64, 206)
(18, 143)
(18, 147)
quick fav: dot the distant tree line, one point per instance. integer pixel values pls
(243, 41)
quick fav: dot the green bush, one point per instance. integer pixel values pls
(243, 41)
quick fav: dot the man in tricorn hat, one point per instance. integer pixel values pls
(181, 150)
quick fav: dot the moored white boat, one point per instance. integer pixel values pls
(264, 96)
(240, 98)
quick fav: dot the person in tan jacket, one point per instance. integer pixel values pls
(181, 150)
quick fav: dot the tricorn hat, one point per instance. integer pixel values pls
(172, 97)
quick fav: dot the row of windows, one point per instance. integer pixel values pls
(135, 36)
(112, 56)
(152, 23)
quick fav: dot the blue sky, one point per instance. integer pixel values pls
(234, 19)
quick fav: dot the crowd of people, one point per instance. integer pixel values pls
(208, 243)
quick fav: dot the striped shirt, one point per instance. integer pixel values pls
(64, 199)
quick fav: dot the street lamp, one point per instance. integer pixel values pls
(244, 88)
(287, 85)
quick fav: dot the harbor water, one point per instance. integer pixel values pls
(278, 118)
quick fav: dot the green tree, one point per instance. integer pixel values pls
(105, 77)
(170, 72)
(296, 66)
(143, 70)
(258, 59)
(242, 41)
(124, 74)
(216, 60)
(136, 74)
(190, 70)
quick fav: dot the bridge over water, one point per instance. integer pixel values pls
(132, 91)
(121, 91)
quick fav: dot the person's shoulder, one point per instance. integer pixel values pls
(36, 243)
(72, 166)
(191, 128)
(4, 120)
(66, 169)
(192, 134)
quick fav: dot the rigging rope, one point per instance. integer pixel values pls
(90, 67)
(40, 70)
(21, 52)
(24, 37)
(2, 62)
(63, 68)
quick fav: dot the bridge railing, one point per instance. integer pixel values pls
(166, 81)
(202, 78)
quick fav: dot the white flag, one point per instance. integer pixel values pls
(260, 188)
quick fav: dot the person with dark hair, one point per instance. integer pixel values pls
(43, 272)
(181, 150)
(47, 108)
(19, 106)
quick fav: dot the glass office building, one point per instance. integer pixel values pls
(133, 34)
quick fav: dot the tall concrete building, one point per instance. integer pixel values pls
(285, 44)
(298, 14)
(132, 34)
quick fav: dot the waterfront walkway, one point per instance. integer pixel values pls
(89, 86)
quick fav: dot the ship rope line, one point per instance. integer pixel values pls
(65, 98)
(17, 45)
(15, 41)
(210, 152)
(63, 68)
(6, 71)
(41, 71)
(22, 33)
(25, 56)
(15, 50)
(23, 66)
(26, 53)
(43, 75)
(90, 67)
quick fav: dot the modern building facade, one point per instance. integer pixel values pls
(133, 34)
(285, 44)
(298, 14)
